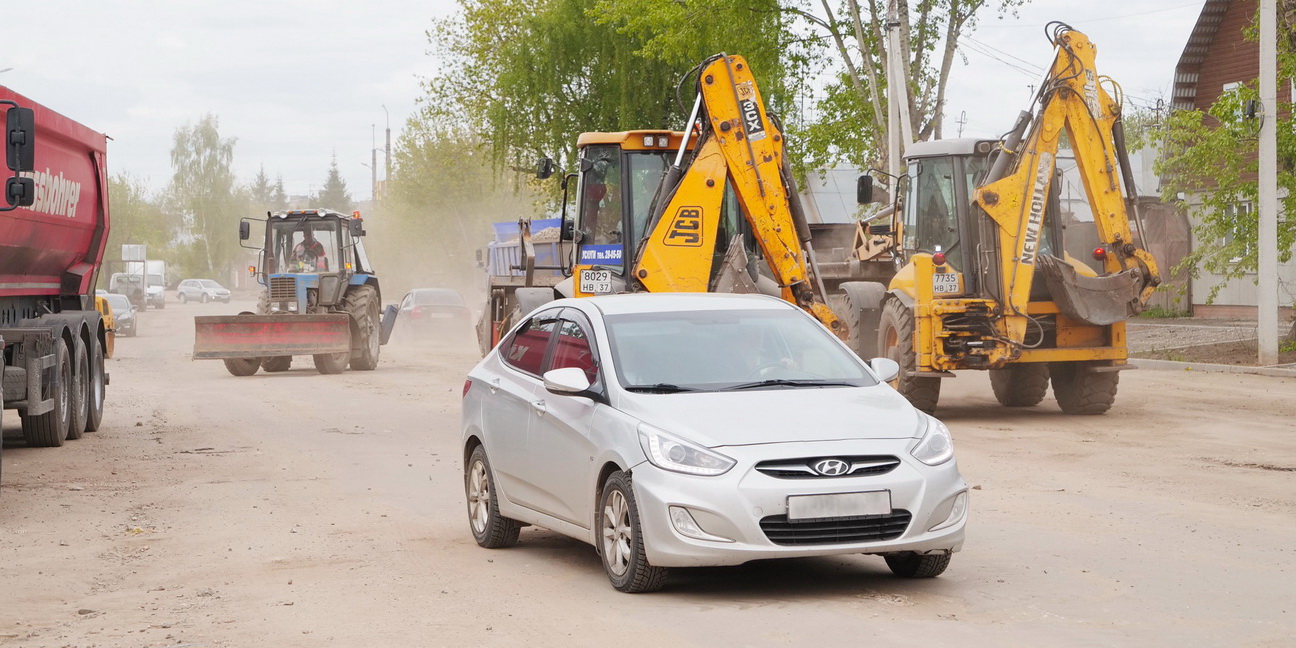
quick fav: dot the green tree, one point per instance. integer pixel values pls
(136, 219)
(265, 196)
(334, 195)
(1212, 157)
(203, 192)
(532, 74)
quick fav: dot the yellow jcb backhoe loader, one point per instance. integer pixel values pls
(985, 282)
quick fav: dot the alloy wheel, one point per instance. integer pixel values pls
(617, 533)
(478, 497)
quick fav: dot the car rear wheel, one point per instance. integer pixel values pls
(204, 298)
(182, 298)
(912, 565)
(489, 528)
(620, 541)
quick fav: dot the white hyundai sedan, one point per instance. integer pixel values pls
(681, 430)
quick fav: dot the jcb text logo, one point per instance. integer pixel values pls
(686, 228)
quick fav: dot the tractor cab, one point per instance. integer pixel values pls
(309, 257)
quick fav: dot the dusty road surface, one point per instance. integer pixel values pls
(306, 510)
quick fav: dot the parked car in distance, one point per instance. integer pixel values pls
(202, 290)
(124, 314)
(429, 313)
(680, 430)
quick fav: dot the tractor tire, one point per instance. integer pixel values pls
(332, 363)
(98, 386)
(276, 364)
(242, 366)
(49, 430)
(855, 297)
(896, 341)
(1082, 392)
(362, 303)
(80, 393)
(1021, 385)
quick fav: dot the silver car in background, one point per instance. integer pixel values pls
(201, 290)
(701, 429)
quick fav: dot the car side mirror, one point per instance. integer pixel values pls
(885, 368)
(570, 381)
(864, 190)
(245, 231)
(20, 139)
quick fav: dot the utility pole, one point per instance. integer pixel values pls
(894, 83)
(387, 149)
(961, 121)
(373, 162)
(1267, 237)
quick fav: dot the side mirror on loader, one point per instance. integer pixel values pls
(864, 190)
(356, 226)
(544, 168)
(245, 231)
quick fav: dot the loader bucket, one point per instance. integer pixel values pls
(388, 323)
(1097, 301)
(259, 336)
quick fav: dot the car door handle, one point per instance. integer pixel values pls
(539, 407)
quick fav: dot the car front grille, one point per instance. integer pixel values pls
(858, 465)
(283, 289)
(847, 530)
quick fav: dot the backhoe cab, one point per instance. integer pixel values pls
(985, 282)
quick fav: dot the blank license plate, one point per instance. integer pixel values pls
(598, 282)
(809, 507)
(945, 282)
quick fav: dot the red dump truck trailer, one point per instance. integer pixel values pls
(53, 228)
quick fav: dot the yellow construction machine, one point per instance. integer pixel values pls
(717, 210)
(984, 281)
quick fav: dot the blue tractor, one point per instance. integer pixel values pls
(320, 298)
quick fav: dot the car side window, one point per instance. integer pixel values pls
(573, 350)
(526, 349)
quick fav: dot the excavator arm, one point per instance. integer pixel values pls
(740, 145)
(1072, 99)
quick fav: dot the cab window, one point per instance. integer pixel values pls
(573, 349)
(931, 214)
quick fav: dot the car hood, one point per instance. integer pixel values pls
(757, 416)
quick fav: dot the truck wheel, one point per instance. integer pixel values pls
(276, 364)
(204, 298)
(181, 298)
(362, 304)
(332, 363)
(242, 366)
(80, 394)
(857, 296)
(1021, 385)
(48, 430)
(1082, 392)
(98, 384)
(896, 341)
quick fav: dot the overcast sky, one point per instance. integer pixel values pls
(299, 81)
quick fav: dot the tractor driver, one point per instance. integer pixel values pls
(309, 254)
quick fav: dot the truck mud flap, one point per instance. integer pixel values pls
(1097, 301)
(258, 336)
(388, 323)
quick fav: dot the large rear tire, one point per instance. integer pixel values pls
(362, 303)
(1022, 385)
(242, 366)
(1083, 392)
(896, 341)
(98, 386)
(49, 430)
(80, 395)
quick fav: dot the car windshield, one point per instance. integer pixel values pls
(119, 303)
(155, 280)
(437, 298)
(208, 283)
(729, 349)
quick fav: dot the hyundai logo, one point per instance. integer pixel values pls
(831, 467)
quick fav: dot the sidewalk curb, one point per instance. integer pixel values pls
(1170, 365)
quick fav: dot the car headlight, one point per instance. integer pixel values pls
(677, 455)
(935, 446)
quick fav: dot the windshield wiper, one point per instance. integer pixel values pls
(665, 388)
(784, 382)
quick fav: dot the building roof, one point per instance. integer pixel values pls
(1189, 67)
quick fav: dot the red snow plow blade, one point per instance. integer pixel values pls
(259, 336)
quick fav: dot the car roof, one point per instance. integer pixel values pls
(668, 302)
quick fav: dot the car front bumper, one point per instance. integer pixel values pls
(731, 507)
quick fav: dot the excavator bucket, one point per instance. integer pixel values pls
(259, 336)
(1097, 301)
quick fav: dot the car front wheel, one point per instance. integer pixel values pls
(489, 528)
(620, 541)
